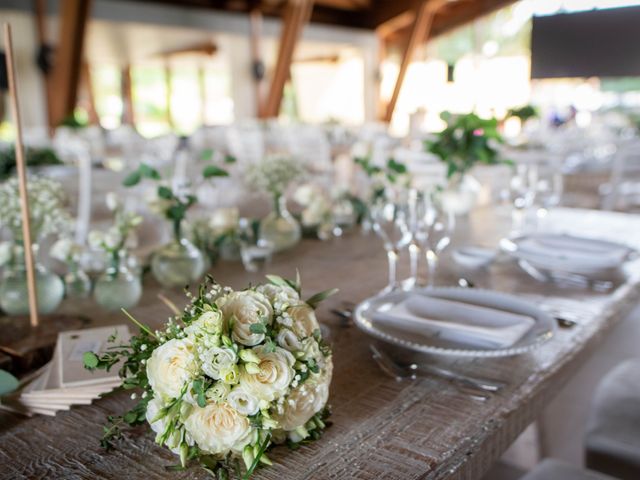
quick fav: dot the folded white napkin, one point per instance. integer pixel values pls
(571, 253)
(464, 323)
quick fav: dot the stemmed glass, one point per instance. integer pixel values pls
(440, 223)
(389, 216)
(418, 231)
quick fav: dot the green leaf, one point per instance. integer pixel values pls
(198, 387)
(90, 360)
(214, 171)
(165, 192)
(230, 159)
(396, 166)
(130, 417)
(206, 155)
(277, 280)
(149, 172)
(258, 328)
(132, 179)
(314, 300)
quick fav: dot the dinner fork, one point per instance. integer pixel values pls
(402, 372)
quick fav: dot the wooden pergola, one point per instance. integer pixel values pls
(401, 25)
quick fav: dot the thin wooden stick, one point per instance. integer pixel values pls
(22, 179)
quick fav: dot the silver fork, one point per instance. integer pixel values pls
(402, 372)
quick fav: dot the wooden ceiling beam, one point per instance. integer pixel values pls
(419, 31)
(68, 59)
(295, 17)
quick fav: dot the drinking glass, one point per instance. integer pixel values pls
(418, 231)
(523, 193)
(440, 223)
(389, 216)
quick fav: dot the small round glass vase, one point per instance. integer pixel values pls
(279, 228)
(14, 295)
(117, 288)
(178, 264)
(77, 284)
(461, 194)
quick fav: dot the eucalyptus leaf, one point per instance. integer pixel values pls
(214, 171)
(314, 300)
(132, 179)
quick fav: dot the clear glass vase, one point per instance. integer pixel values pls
(178, 263)
(279, 228)
(461, 194)
(77, 284)
(117, 288)
(14, 297)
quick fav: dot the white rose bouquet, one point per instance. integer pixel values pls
(233, 374)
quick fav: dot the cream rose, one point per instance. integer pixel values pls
(171, 366)
(275, 375)
(306, 400)
(218, 428)
(209, 323)
(224, 219)
(216, 360)
(245, 309)
(288, 340)
(279, 293)
(243, 402)
(304, 320)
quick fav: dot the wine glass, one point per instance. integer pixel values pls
(440, 223)
(418, 231)
(389, 215)
(523, 193)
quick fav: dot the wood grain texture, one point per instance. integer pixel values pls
(425, 429)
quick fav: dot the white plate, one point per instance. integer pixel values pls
(542, 330)
(473, 257)
(569, 254)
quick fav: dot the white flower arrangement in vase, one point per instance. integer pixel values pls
(273, 175)
(48, 216)
(118, 287)
(233, 374)
(316, 216)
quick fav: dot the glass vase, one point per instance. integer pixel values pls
(14, 297)
(461, 194)
(178, 263)
(77, 284)
(279, 228)
(117, 288)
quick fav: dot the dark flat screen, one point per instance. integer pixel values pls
(598, 43)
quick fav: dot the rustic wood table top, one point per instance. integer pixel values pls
(427, 428)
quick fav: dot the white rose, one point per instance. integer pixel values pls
(288, 340)
(277, 293)
(316, 212)
(245, 309)
(305, 194)
(112, 201)
(216, 360)
(171, 366)
(209, 323)
(304, 320)
(275, 375)
(224, 219)
(218, 428)
(243, 402)
(306, 400)
(61, 249)
(95, 239)
(112, 238)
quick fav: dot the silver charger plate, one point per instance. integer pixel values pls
(542, 330)
(593, 264)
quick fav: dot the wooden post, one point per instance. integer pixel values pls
(295, 16)
(126, 92)
(68, 65)
(255, 18)
(22, 180)
(421, 26)
(168, 90)
(94, 119)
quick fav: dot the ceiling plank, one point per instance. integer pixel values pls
(295, 16)
(420, 29)
(68, 63)
(126, 92)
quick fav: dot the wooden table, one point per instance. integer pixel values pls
(428, 428)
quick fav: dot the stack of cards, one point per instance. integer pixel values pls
(64, 381)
